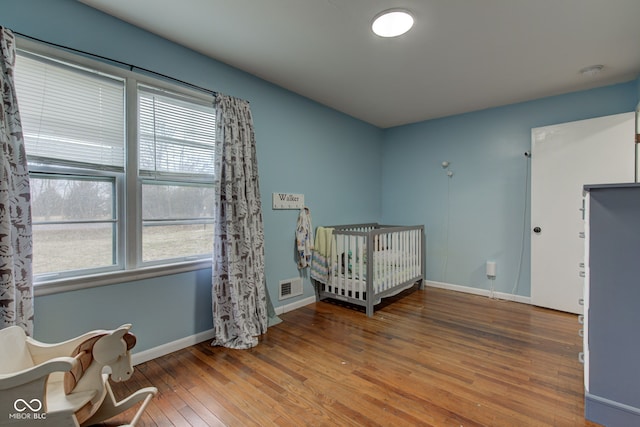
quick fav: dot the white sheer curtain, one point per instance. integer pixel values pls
(239, 292)
(16, 284)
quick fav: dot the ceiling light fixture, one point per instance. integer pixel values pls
(592, 70)
(392, 23)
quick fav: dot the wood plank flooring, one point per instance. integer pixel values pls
(427, 358)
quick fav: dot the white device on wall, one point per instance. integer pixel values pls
(491, 269)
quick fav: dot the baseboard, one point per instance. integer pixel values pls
(170, 347)
(295, 305)
(478, 291)
(608, 412)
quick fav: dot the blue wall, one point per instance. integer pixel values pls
(303, 147)
(483, 203)
(337, 162)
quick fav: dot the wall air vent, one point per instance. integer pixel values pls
(290, 288)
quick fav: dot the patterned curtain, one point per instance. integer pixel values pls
(16, 285)
(239, 294)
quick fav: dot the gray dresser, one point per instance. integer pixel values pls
(612, 304)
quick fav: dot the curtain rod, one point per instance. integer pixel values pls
(130, 66)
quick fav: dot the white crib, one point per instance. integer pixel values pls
(364, 263)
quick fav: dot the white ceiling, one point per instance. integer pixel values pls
(460, 56)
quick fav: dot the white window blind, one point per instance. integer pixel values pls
(70, 116)
(176, 135)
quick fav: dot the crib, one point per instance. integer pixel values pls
(364, 263)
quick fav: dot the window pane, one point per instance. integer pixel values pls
(176, 135)
(64, 247)
(70, 115)
(73, 223)
(71, 199)
(170, 201)
(176, 241)
(177, 221)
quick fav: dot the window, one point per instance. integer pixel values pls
(121, 167)
(176, 166)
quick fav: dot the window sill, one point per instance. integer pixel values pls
(103, 279)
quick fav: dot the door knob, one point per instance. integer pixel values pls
(537, 230)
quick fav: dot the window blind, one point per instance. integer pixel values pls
(176, 135)
(70, 115)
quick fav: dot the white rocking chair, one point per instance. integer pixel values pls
(64, 384)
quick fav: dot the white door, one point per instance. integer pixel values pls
(564, 158)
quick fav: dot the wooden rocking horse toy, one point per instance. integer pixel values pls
(66, 384)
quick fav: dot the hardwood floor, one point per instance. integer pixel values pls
(427, 358)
